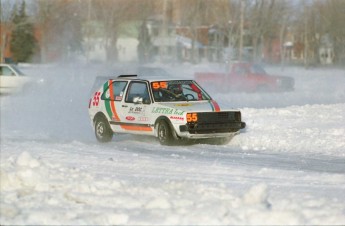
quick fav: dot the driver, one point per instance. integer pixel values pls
(177, 91)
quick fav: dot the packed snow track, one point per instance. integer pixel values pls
(286, 167)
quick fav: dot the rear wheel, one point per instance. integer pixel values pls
(165, 135)
(103, 131)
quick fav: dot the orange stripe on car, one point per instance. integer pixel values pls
(216, 106)
(136, 128)
(112, 104)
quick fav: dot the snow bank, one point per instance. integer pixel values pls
(309, 129)
(38, 192)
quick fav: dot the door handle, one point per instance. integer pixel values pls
(124, 106)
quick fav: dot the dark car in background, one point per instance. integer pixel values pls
(245, 77)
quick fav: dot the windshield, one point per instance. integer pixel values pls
(16, 69)
(178, 90)
(257, 69)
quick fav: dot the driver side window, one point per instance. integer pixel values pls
(138, 89)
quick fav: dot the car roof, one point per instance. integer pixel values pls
(145, 78)
(138, 78)
(100, 80)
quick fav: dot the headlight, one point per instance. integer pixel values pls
(192, 117)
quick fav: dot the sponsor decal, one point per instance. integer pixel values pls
(118, 98)
(143, 119)
(130, 118)
(135, 110)
(95, 100)
(183, 105)
(176, 117)
(180, 82)
(167, 111)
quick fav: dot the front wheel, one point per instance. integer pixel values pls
(103, 131)
(165, 135)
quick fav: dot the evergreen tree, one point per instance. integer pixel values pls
(23, 41)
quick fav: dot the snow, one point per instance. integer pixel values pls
(286, 168)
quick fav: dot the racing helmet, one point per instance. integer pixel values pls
(176, 89)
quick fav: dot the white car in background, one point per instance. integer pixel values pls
(12, 80)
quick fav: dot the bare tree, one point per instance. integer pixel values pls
(112, 14)
(267, 19)
(6, 9)
(319, 21)
(60, 24)
(333, 17)
(219, 15)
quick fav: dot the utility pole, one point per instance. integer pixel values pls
(2, 36)
(242, 5)
(229, 52)
(164, 32)
(88, 28)
(306, 44)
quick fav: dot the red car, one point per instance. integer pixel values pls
(245, 77)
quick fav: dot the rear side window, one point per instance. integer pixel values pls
(115, 91)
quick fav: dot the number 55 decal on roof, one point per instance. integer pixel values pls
(158, 85)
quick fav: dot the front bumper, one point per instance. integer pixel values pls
(209, 130)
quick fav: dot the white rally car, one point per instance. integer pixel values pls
(169, 109)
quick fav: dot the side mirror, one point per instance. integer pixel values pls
(138, 100)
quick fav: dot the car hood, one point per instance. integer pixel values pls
(193, 106)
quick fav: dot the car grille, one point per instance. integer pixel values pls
(219, 117)
(216, 122)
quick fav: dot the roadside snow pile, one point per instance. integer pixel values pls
(317, 129)
(37, 192)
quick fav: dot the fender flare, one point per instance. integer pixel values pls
(99, 115)
(169, 123)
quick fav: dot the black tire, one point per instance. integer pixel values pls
(103, 131)
(164, 132)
